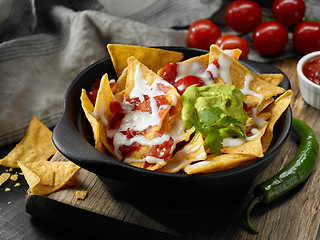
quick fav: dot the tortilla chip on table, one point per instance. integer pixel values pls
(36, 145)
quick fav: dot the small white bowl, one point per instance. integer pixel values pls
(310, 91)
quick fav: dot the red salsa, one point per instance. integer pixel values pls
(311, 69)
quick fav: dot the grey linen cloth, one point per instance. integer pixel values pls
(45, 44)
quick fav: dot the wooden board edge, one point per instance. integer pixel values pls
(89, 223)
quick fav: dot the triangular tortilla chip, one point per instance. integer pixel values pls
(253, 146)
(239, 75)
(102, 111)
(88, 109)
(161, 96)
(276, 109)
(273, 78)
(191, 152)
(153, 58)
(36, 145)
(4, 177)
(216, 163)
(39, 175)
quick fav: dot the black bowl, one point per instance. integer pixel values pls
(73, 138)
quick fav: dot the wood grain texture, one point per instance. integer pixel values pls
(294, 216)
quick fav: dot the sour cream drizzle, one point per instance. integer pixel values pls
(224, 67)
(258, 121)
(139, 121)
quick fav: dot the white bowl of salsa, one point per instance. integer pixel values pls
(308, 70)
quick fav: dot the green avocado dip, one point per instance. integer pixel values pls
(216, 111)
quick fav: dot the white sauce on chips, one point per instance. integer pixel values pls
(258, 121)
(140, 121)
(224, 68)
(195, 68)
(233, 142)
(247, 91)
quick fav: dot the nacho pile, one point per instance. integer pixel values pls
(169, 115)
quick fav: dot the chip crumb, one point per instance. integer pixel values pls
(81, 194)
(10, 169)
(17, 185)
(21, 173)
(14, 177)
(7, 189)
(4, 177)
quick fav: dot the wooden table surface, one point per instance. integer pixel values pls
(294, 216)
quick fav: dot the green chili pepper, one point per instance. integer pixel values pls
(294, 173)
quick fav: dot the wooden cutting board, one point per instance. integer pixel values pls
(101, 215)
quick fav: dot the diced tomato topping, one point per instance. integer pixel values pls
(116, 120)
(128, 150)
(115, 107)
(133, 101)
(132, 133)
(163, 88)
(163, 150)
(112, 85)
(160, 101)
(215, 62)
(92, 95)
(96, 84)
(170, 72)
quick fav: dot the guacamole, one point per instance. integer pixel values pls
(226, 97)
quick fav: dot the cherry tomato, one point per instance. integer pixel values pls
(183, 83)
(306, 37)
(230, 41)
(269, 38)
(288, 12)
(243, 15)
(202, 33)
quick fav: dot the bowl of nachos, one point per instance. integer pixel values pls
(165, 124)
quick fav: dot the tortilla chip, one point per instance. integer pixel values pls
(14, 177)
(4, 177)
(47, 177)
(165, 98)
(276, 109)
(236, 53)
(121, 82)
(36, 145)
(88, 109)
(251, 147)
(81, 194)
(238, 75)
(191, 152)
(153, 58)
(102, 111)
(216, 163)
(273, 78)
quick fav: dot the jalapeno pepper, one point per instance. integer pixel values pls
(291, 175)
